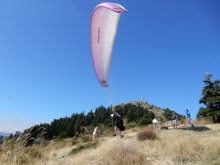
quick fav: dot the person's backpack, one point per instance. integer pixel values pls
(118, 116)
(119, 122)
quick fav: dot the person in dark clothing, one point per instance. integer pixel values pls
(118, 121)
(174, 119)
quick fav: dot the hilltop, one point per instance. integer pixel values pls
(162, 115)
(157, 111)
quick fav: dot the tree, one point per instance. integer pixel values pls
(144, 121)
(211, 99)
(1, 137)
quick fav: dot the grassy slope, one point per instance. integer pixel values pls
(199, 147)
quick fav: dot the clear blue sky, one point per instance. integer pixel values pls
(161, 51)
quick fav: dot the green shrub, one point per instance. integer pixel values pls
(75, 140)
(24, 159)
(34, 153)
(144, 121)
(76, 134)
(86, 139)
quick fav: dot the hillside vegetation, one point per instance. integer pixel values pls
(68, 140)
(134, 114)
(200, 146)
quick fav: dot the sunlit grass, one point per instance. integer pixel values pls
(200, 146)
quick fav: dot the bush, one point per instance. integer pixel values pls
(144, 121)
(147, 134)
(86, 139)
(35, 154)
(75, 140)
(32, 152)
(24, 159)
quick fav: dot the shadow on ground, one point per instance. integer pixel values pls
(197, 128)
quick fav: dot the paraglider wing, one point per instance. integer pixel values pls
(103, 28)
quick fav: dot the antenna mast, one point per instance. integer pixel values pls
(207, 76)
(144, 99)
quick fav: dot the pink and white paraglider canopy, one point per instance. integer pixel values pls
(103, 29)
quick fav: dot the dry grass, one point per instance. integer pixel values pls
(124, 154)
(146, 134)
(186, 147)
(203, 121)
(111, 151)
(83, 147)
(200, 146)
(14, 151)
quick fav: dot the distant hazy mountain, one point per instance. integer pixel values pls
(4, 133)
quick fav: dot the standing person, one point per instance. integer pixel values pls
(191, 124)
(187, 116)
(174, 118)
(118, 121)
(155, 121)
(95, 133)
